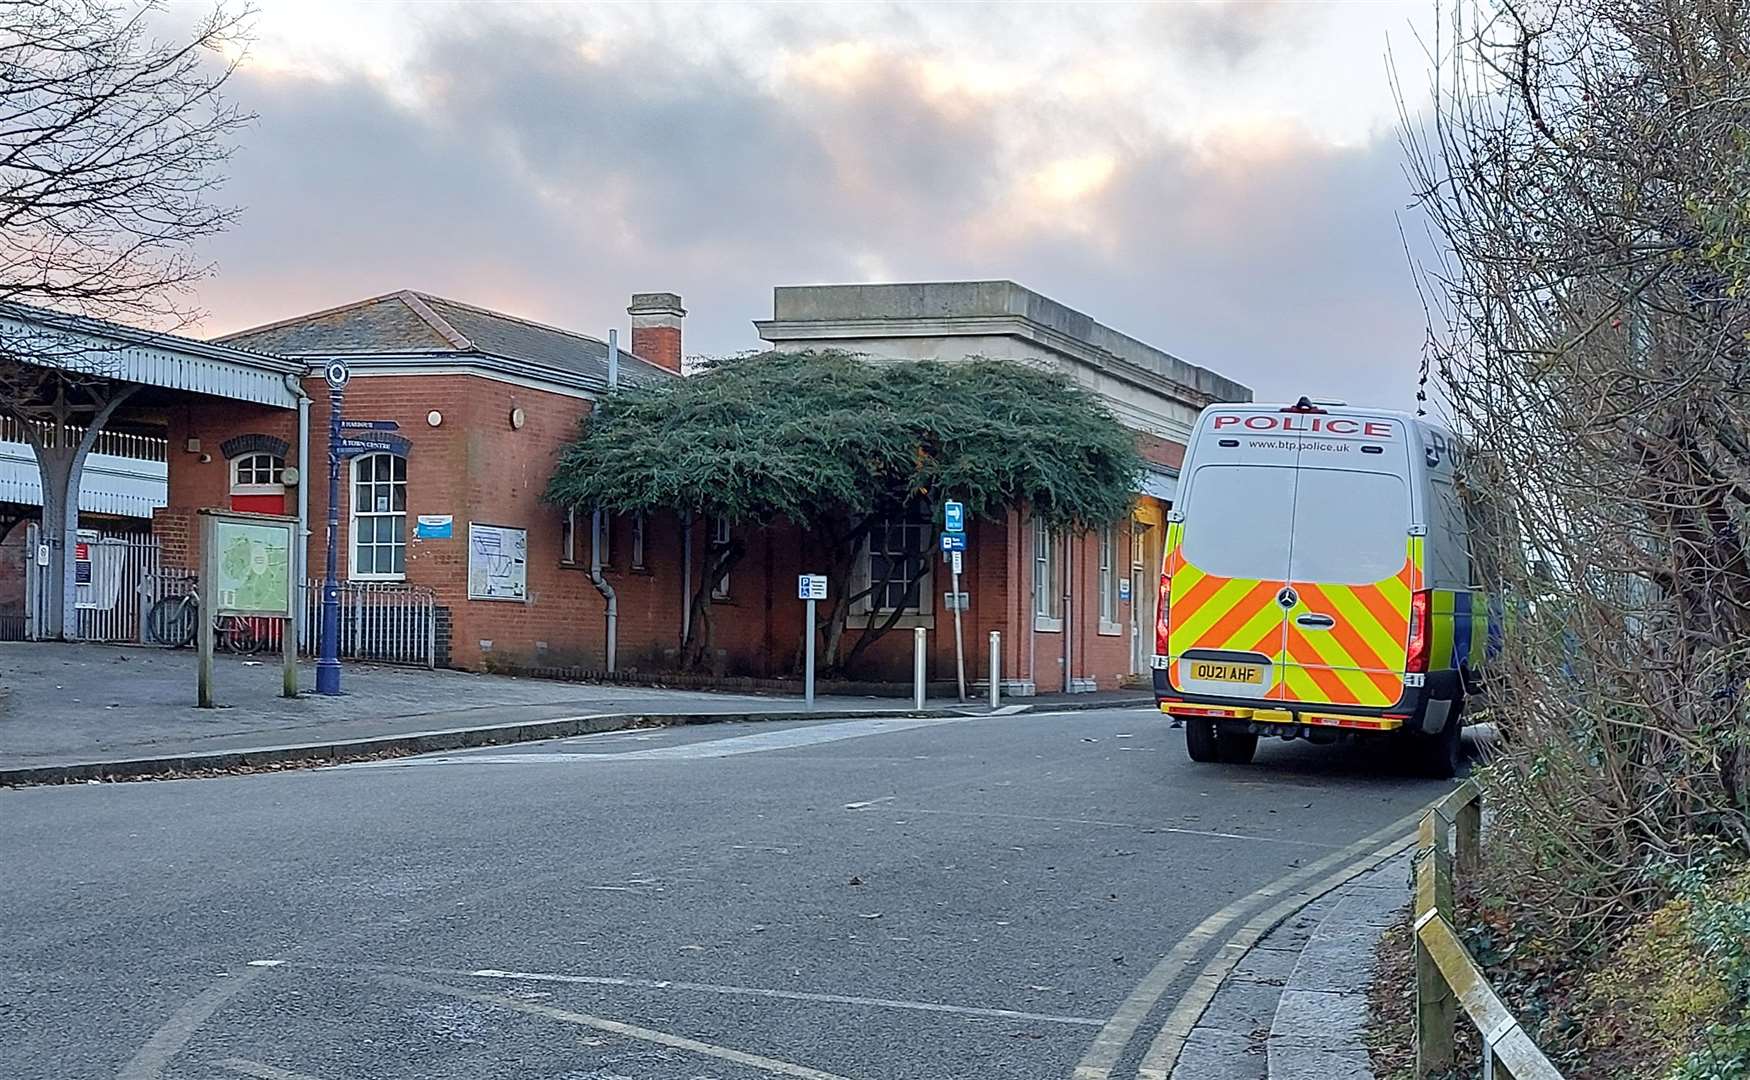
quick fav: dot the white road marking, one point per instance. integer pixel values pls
(1139, 825)
(735, 745)
(1108, 1046)
(1163, 1052)
(870, 802)
(246, 1067)
(149, 1061)
(615, 1027)
(265, 963)
(787, 995)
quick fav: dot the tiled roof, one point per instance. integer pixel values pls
(411, 322)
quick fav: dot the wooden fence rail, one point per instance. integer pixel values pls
(1447, 979)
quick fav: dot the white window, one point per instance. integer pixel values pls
(568, 538)
(719, 534)
(258, 474)
(637, 541)
(379, 517)
(1047, 554)
(1108, 545)
(607, 540)
(897, 567)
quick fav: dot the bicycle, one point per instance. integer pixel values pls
(174, 621)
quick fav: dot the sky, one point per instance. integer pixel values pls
(1221, 180)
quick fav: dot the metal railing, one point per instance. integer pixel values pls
(1447, 979)
(116, 443)
(389, 622)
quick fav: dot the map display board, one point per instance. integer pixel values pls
(498, 563)
(252, 568)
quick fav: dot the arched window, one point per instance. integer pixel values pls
(258, 474)
(379, 517)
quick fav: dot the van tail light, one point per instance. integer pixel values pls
(1163, 621)
(1418, 651)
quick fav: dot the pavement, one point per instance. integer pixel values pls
(96, 711)
(918, 898)
(1295, 1006)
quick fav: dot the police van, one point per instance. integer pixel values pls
(1317, 583)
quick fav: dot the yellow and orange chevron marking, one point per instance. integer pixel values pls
(1358, 661)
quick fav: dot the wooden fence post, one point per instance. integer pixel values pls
(1436, 1005)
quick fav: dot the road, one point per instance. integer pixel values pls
(859, 899)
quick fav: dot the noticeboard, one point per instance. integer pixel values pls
(498, 563)
(252, 567)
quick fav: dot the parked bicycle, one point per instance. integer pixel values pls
(174, 621)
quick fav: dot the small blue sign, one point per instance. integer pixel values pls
(953, 542)
(433, 526)
(369, 425)
(1123, 588)
(953, 518)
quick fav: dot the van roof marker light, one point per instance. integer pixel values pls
(1304, 405)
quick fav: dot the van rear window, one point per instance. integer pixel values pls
(1236, 520)
(1350, 528)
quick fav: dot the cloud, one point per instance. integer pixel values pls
(545, 173)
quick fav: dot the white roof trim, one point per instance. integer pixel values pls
(122, 486)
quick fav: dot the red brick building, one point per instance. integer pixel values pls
(486, 401)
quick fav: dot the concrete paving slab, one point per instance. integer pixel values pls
(1218, 1055)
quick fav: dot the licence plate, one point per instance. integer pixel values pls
(1227, 672)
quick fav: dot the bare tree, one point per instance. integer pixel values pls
(1586, 171)
(112, 143)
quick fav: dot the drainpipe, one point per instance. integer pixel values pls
(687, 577)
(1069, 557)
(1032, 614)
(595, 529)
(295, 383)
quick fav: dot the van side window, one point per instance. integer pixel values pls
(1454, 567)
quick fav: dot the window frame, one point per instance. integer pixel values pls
(1107, 577)
(917, 530)
(1047, 570)
(638, 541)
(717, 536)
(276, 467)
(353, 516)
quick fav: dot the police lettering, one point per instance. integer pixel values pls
(1300, 422)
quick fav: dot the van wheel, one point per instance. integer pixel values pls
(1206, 742)
(1438, 756)
(1201, 740)
(1235, 748)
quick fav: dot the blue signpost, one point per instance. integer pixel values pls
(328, 661)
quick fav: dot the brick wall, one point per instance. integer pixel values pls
(477, 467)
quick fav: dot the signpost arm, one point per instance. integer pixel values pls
(205, 583)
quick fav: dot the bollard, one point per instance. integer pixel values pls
(996, 668)
(917, 666)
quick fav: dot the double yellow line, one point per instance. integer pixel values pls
(1337, 869)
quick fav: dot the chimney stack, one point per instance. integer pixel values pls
(656, 328)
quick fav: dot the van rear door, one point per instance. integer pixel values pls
(1230, 564)
(1347, 630)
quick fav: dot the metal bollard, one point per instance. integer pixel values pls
(996, 668)
(917, 666)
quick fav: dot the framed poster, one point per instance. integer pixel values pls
(498, 563)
